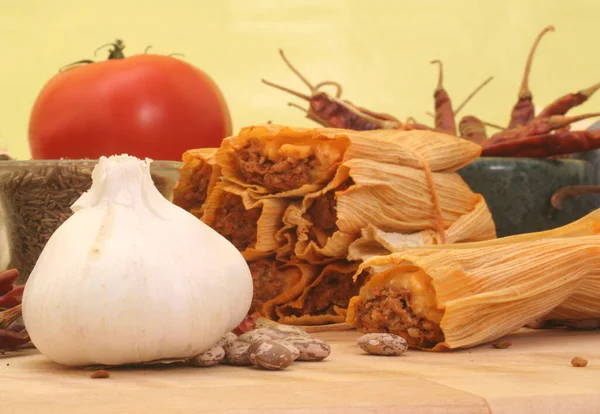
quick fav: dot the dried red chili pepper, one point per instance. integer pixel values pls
(333, 112)
(473, 129)
(416, 125)
(7, 279)
(246, 325)
(11, 340)
(565, 103)
(12, 298)
(541, 146)
(523, 112)
(444, 114)
(540, 126)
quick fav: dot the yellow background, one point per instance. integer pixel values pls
(379, 50)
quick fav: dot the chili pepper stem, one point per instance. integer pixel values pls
(9, 316)
(440, 85)
(310, 115)
(338, 87)
(524, 92)
(472, 94)
(288, 90)
(297, 72)
(560, 121)
(590, 91)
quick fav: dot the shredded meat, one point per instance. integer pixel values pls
(323, 214)
(388, 310)
(235, 223)
(335, 289)
(267, 284)
(287, 173)
(322, 211)
(196, 192)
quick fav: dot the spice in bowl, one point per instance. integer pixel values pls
(36, 198)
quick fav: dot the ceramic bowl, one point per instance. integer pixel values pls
(518, 191)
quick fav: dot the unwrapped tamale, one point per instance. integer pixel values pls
(276, 283)
(459, 296)
(326, 299)
(250, 225)
(392, 199)
(278, 161)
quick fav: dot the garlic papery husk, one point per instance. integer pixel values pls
(131, 278)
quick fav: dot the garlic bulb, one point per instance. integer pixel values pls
(131, 278)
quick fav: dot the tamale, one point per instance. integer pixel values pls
(250, 225)
(278, 161)
(326, 299)
(389, 198)
(197, 177)
(277, 283)
(459, 296)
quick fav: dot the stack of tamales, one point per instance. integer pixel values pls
(306, 207)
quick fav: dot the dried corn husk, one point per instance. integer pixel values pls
(197, 177)
(476, 225)
(326, 299)
(277, 283)
(388, 199)
(478, 292)
(330, 147)
(263, 216)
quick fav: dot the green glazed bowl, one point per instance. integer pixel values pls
(518, 191)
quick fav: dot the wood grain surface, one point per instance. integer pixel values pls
(534, 375)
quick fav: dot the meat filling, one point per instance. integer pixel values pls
(335, 289)
(323, 214)
(235, 223)
(286, 173)
(267, 283)
(196, 195)
(388, 310)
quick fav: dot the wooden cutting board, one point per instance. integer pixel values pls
(534, 375)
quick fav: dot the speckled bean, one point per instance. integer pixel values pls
(383, 344)
(311, 349)
(270, 355)
(209, 358)
(236, 353)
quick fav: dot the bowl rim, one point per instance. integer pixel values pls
(83, 162)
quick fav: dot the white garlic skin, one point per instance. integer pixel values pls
(118, 284)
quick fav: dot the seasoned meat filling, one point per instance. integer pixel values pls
(322, 211)
(388, 310)
(196, 196)
(335, 289)
(267, 283)
(287, 173)
(235, 223)
(323, 214)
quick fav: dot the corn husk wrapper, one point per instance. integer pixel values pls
(479, 292)
(475, 226)
(197, 177)
(331, 147)
(390, 199)
(268, 224)
(290, 279)
(325, 300)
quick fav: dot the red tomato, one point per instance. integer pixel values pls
(145, 105)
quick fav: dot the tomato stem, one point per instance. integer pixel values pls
(116, 52)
